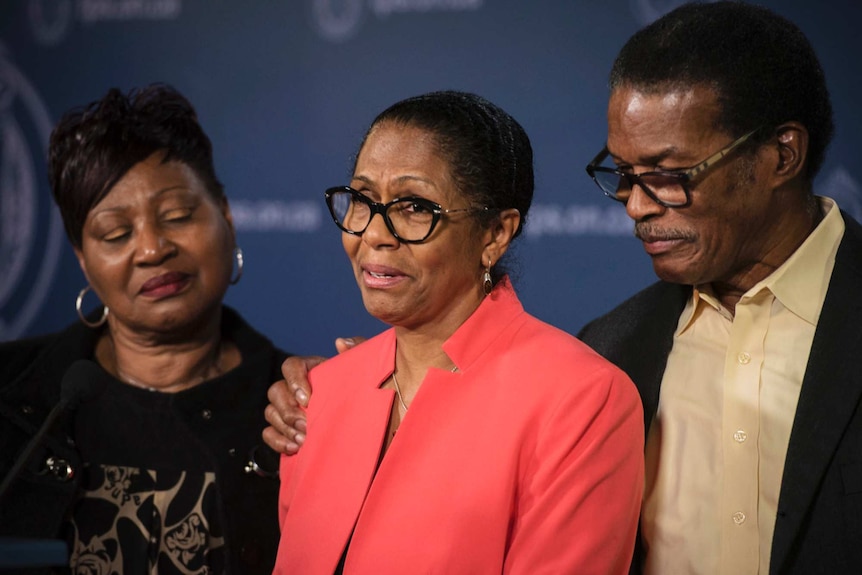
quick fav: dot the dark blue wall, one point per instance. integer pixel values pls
(286, 88)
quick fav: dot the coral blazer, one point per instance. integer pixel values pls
(529, 459)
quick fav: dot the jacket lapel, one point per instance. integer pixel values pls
(831, 391)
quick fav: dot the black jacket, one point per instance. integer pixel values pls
(40, 500)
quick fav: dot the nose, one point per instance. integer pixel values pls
(378, 234)
(152, 245)
(640, 206)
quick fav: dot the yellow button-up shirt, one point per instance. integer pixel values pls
(715, 451)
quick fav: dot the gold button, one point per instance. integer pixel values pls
(744, 358)
(740, 436)
(739, 517)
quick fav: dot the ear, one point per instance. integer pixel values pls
(225, 211)
(500, 235)
(791, 152)
(79, 254)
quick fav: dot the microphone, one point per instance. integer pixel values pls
(82, 381)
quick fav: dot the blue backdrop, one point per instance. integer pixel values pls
(285, 90)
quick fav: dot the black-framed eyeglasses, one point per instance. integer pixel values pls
(669, 189)
(411, 220)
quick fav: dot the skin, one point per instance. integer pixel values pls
(748, 214)
(425, 290)
(157, 250)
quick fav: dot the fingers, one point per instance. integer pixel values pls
(287, 428)
(286, 418)
(295, 371)
(278, 442)
(342, 344)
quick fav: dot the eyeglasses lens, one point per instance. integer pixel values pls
(411, 220)
(666, 188)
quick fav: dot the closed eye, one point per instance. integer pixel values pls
(116, 235)
(177, 215)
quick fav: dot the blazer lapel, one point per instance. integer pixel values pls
(346, 468)
(831, 391)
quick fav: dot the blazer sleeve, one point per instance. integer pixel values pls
(580, 497)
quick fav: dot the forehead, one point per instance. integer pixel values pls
(662, 123)
(152, 174)
(394, 147)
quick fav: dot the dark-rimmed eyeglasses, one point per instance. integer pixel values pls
(411, 220)
(669, 189)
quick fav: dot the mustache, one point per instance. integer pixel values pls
(649, 232)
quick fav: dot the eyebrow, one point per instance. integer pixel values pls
(398, 180)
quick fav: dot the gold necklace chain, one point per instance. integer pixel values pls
(398, 388)
(398, 392)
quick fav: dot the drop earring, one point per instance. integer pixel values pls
(487, 284)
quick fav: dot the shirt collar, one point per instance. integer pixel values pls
(800, 283)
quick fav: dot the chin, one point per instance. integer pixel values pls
(675, 274)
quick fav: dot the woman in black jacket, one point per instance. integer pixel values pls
(161, 470)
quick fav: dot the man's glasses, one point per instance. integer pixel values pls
(669, 189)
(411, 220)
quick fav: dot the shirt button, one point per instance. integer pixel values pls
(740, 436)
(739, 517)
(744, 358)
(207, 414)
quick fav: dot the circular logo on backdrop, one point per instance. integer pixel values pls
(31, 231)
(50, 20)
(337, 20)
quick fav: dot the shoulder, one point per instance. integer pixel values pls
(19, 356)
(660, 301)
(550, 357)
(363, 361)
(254, 346)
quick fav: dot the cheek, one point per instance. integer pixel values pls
(350, 244)
(103, 268)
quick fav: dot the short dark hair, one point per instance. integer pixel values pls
(489, 154)
(761, 66)
(93, 147)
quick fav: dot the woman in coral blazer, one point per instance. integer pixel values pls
(522, 449)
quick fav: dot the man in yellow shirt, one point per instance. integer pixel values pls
(747, 352)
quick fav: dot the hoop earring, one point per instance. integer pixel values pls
(487, 284)
(237, 252)
(83, 318)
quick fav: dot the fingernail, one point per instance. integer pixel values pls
(300, 425)
(299, 438)
(349, 341)
(302, 397)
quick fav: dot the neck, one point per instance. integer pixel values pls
(163, 366)
(790, 233)
(415, 354)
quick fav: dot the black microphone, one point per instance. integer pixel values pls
(83, 380)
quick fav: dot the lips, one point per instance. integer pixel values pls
(380, 276)
(164, 285)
